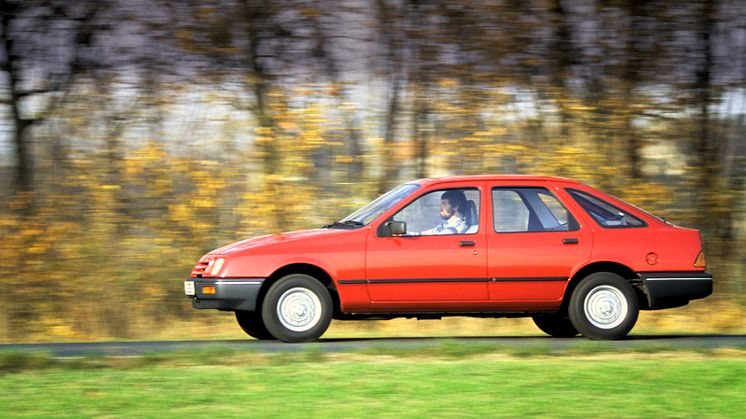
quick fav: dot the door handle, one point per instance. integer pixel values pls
(466, 243)
(570, 241)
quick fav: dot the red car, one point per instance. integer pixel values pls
(575, 259)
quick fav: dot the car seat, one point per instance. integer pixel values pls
(533, 223)
(471, 217)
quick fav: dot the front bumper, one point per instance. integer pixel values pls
(230, 293)
(673, 289)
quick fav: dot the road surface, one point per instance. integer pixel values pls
(634, 342)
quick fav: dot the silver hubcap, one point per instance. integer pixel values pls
(299, 309)
(605, 307)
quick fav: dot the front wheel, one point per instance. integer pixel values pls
(555, 325)
(604, 306)
(251, 323)
(297, 308)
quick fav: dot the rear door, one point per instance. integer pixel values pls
(534, 245)
(436, 262)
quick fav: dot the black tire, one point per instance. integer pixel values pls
(604, 306)
(251, 322)
(555, 325)
(307, 308)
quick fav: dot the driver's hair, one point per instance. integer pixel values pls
(456, 198)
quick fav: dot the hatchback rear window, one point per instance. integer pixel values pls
(605, 214)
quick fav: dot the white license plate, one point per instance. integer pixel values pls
(189, 287)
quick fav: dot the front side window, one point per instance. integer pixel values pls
(371, 211)
(523, 210)
(448, 211)
(605, 214)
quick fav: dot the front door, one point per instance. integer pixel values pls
(440, 260)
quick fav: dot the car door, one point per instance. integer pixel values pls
(428, 265)
(534, 245)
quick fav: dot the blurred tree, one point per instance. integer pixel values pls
(155, 133)
(31, 33)
(388, 23)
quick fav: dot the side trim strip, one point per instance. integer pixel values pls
(678, 279)
(457, 280)
(239, 282)
(424, 280)
(227, 281)
(676, 276)
(530, 279)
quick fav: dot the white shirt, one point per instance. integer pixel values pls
(454, 225)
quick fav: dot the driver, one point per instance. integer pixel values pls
(453, 205)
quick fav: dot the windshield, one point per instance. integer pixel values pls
(371, 211)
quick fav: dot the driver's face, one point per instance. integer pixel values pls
(446, 209)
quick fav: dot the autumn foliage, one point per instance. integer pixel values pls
(237, 119)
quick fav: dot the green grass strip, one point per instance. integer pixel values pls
(385, 387)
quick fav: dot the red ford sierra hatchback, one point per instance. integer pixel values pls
(573, 258)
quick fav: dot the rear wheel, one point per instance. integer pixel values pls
(297, 308)
(251, 323)
(555, 325)
(604, 306)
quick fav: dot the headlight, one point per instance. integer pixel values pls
(216, 266)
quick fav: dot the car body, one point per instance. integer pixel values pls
(575, 259)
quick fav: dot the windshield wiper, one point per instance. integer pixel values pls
(345, 224)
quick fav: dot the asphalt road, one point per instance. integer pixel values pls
(634, 342)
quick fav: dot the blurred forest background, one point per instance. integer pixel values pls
(137, 135)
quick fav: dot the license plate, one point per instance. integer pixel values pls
(189, 287)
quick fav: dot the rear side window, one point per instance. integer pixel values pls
(605, 214)
(523, 210)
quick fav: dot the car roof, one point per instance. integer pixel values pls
(429, 181)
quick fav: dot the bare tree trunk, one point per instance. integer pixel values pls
(420, 132)
(389, 165)
(563, 53)
(631, 77)
(706, 147)
(82, 36)
(257, 16)
(23, 169)
(354, 141)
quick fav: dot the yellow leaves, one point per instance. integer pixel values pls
(314, 12)
(57, 329)
(581, 107)
(513, 148)
(184, 35)
(37, 248)
(569, 151)
(30, 232)
(263, 131)
(8, 222)
(205, 11)
(287, 125)
(185, 40)
(180, 212)
(448, 83)
(205, 203)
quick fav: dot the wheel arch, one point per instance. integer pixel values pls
(605, 266)
(301, 268)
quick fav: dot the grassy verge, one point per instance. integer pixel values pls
(444, 382)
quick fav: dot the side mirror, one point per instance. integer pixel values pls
(397, 228)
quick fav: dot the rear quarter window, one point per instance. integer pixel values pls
(604, 213)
